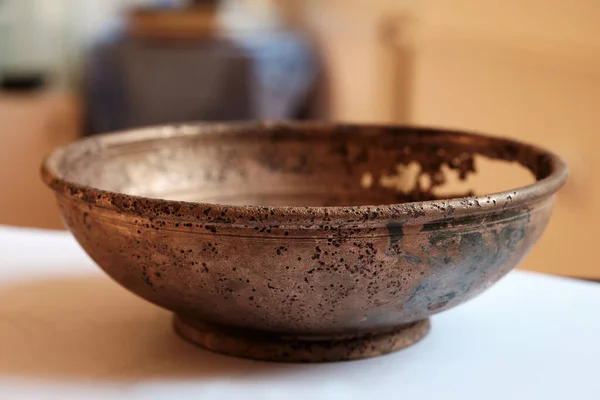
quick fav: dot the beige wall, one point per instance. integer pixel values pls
(30, 127)
(529, 70)
(543, 95)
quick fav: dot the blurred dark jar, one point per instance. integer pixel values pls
(198, 70)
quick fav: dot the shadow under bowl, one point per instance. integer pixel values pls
(300, 241)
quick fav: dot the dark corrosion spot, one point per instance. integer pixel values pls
(395, 231)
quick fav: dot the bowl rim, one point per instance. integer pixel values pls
(423, 211)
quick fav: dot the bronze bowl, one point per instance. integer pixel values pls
(295, 241)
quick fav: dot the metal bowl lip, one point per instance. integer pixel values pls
(423, 211)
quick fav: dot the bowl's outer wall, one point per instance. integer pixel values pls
(334, 267)
(306, 281)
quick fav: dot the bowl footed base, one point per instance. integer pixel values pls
(280, 348)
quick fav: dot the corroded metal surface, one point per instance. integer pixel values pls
(288, 230)
(290, 348)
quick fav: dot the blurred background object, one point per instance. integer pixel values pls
(528, 70)
(200, 62)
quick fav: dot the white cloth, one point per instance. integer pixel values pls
(69, 332)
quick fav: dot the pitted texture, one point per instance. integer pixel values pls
(291, 229)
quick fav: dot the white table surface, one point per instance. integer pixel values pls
(68, 332)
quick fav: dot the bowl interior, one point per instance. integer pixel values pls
(301, 164)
